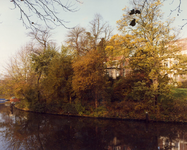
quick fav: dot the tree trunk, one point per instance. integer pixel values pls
(96, 98)
(38, 83)
(155, 88)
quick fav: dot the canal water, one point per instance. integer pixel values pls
(21, 130)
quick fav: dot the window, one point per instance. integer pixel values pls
(166, 64)
(175, 62)
(124, 72)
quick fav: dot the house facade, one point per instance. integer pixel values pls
(117, 67)
(178, 78)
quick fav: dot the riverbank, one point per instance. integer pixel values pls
(174, 110)
(156, 115)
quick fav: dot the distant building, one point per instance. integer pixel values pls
(117, 67)
(170, 62)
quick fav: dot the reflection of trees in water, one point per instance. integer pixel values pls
(37, 131)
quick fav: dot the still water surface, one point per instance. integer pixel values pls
(21, 130)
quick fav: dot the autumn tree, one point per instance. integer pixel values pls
(88, 65)
(19, 76)
(153, 44)
(88, 80)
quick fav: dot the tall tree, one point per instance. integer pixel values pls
(89, 76)
(19, 77)
(154, 42)
(57, 84)
(176, 9)
(99, 30)
(77, 41)
(82, 41)
(40, 64)
(42, 55)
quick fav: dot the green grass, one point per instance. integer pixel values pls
(180, 93)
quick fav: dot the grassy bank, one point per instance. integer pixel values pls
(174, 110)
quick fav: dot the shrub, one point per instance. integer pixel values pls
(69, 109)
(38, 106)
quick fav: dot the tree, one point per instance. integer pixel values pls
(40, 64)
(141, 5)
(154, 44)
(45, 10)
(89, 77)
(99, 30)
(88, 65)
(41, 55)
(77, 41)
(120, 45)
(82, 41)
(57, 85)
(19, 77)
(179, 11)
(41, 37)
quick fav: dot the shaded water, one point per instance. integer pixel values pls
(21, 130)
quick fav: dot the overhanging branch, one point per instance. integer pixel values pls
(45, 10)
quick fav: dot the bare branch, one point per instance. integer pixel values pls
(141, 3)
(184, 23)
(179, 10)
(41, 37)
(45, 10)
(100, 29)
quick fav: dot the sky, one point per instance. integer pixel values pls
(13, 35)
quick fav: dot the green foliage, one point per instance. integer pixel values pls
(38, 106)
(145, 48)
(135, 86)
(141, 92)
(23, 104)
(180, 93)
(75, 108)
(80, 109)
(100, 111)
(30, 94)
(74, 80)
(58, 82)
(41, 60)
(69, 109)
(54, 106)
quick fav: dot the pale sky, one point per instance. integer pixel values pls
(13, 33)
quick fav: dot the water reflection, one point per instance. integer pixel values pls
(22, 130)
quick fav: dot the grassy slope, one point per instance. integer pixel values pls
(180, 93)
